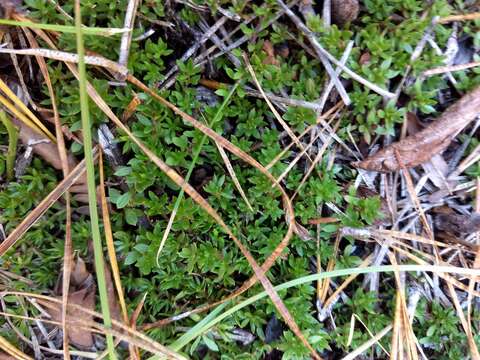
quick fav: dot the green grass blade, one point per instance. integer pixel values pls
(192, 334)
(65, 28)
(218, 116)
(92, 191)
(12, 143)
(198, 329)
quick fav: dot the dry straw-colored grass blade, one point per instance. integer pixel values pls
(21, 111)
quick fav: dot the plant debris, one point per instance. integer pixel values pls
(435, 138)
(82, 293)
(344, 11)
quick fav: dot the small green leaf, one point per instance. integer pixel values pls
(222, 92)
(122, 200)
(180, 142)
(123, 171)
(210, 343)
(131, 258)
(131, 216)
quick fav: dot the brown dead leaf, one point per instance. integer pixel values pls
(270, 51)
(43, 147)
(436, 168)
(82, 293)
(365, 58)
(422, 146)
(458, 224)
(86, 299)
(344, 11)
(302, 232)
(5, 356)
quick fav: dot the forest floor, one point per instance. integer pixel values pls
(239, 179)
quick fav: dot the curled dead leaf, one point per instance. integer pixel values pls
(365, 58)
(48, 151)
(422, 146)
(270, 51)
(458, 224)
(82, 293)
(436, 168)
(302, 232)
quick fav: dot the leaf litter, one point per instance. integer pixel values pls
(434, 139)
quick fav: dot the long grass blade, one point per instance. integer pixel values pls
(65, 28)
(92, 191)
(337, 273)
(198, 329)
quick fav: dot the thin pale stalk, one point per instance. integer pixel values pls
(366, 345)
(462, 17)
(229, 166)
(448, 68)
(109, 239)
(127, 36)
